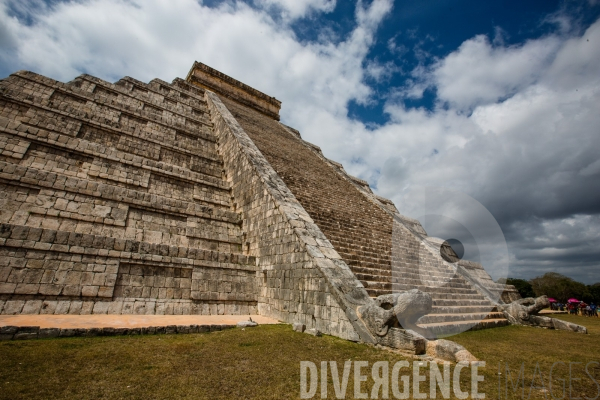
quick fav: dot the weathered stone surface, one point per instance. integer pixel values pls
(122, 200)
(448, 350)
(399, 309)
(170, 198)
(313, 332)
(45, 333)
(246, 324)
(525, 312)
(298, 327)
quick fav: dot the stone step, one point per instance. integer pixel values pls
(370, 277)
(417, 267)
(357, 268)
(357, 262)
(344, 225)
(462, 309)
(462, 302)
(423, 273)
(75, 103)
(454, 283)
(151, 94)
(438, 318)
(445, 329)
(435, 289)
(132, 198)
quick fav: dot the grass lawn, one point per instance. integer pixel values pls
(264, 363)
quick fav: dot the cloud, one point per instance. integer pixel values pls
(112, 38)
(478, 72)
(513, 126)
(528, 150)
(561, 246)
(294, 9)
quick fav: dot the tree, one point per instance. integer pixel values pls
(523, 287)
(594, 293)
(560, 287)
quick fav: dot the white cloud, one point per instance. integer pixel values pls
(294, 9)
(515, 127)
(478, 72)
(112, 38)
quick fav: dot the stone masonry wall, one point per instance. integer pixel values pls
(112, 200)
(301, 277)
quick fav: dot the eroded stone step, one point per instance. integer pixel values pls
(439, 318)
(460, 302)
(74, 101)
(129, 92)
(452, 283)
(437, 290)
(152, 202)
(451, 328)
(462, 309)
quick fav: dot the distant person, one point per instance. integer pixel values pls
(572, 308)
(594, 310)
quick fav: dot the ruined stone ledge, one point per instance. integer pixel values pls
(107, 124)
(40, 179)
(150, 87)
(18, 236)
(87, 96)
(57, 140)
(110, 128)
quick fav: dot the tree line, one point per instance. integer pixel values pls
(557, 286)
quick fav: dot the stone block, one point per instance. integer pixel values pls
(101, 307)
(313, 332)
(32, 307)
(75, 308)
(46, 333)
(62, 307)
(48, 307)
(171, 329)
(298, 327)
(89, 291)
(12, 307)
(26, 332)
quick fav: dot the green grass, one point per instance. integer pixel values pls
(262, 363)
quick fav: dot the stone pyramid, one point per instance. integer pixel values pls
(192, 198)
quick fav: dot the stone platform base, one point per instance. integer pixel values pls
(47, 326)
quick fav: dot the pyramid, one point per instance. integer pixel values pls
(191, 197)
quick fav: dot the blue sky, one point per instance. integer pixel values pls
(497, 101)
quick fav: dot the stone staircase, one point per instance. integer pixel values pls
(358, 229)
(457, 305)
(363, 233)
(120, 190)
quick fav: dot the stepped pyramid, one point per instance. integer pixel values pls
(191, 197)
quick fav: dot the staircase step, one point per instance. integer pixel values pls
(438, 318)
(462, 309)
(443, 329)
